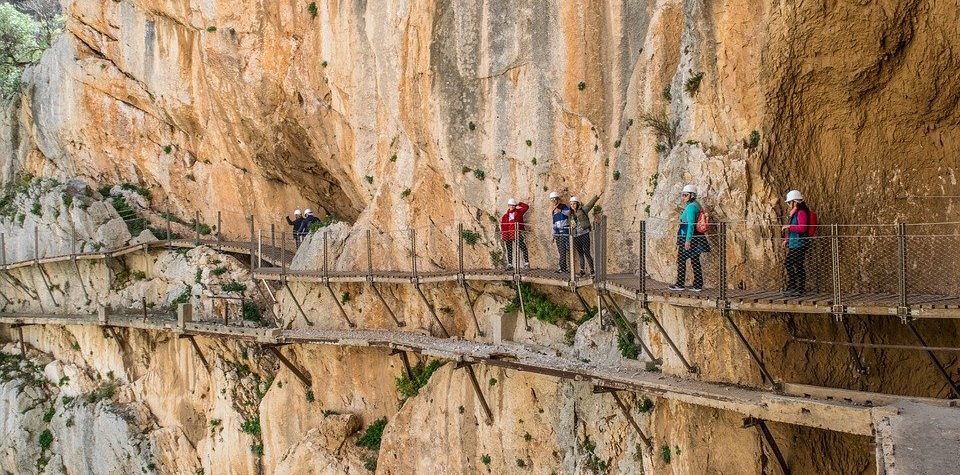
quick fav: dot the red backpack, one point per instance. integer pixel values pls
(811, 223)
(703, 222)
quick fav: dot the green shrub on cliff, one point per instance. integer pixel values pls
(372, 435)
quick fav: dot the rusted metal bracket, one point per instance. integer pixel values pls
(196, 348)
(523, 308)
(626, 413)
(476, 389)
(761, 425)
(406, 362)
(301, 375)
(433, 313)
(47, 284)
(470, 302)
(854, 354)
(297, 303)
(767, 378)
(666, 336)
(620, 320)
(934, 360)
(343, 313)
(383, 301)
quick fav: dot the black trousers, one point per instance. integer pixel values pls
(563, 248)
(581, 244)
(522, 245)
(693, 255)
(796, 271)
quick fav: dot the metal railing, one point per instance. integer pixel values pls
(893, 266)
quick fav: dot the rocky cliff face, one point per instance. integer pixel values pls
(395, 114)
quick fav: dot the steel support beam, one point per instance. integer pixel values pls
(935, 361)
(407, 369)
(620, 320)
(854, 354)
(301, 375)
(473, 312)
(666, 336)
(196, 348)
(343, 312)
(626, 414)
(476, 389)
(299, 307)
(383, 301)
(771, 443)
(746, 344)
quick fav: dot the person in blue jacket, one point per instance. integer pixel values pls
(690, 243)
(561, 230)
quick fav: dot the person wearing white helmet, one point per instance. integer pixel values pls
(580, 214)
(561, 230)
(296, 223)
(512, 228)
(800, 227)
(690, 242)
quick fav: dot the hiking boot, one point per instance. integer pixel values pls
(526, 266)
(509, 267)
(676, 287)
(696, 289)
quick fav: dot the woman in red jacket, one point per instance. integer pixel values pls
(512, 228)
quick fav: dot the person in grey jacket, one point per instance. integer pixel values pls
(580, 216)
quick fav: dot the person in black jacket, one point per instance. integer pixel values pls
(296, 223)
(308, 220)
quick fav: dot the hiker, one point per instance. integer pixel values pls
(561, 229)
(796, 240)
(512, 228)
(308, 220)
(581, 237)
(690, 242)
(296, 222)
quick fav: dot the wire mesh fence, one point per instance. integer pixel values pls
(903, 264)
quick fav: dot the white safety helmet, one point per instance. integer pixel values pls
(511, 202)
(554, 194)
(297, 212)
(574, 199)
(689, 189)
(794, 195)
(308, 212)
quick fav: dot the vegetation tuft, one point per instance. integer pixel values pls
(693, 84)
(421, 375)
(372, 435)
(538, 305)
(662, 127)
(470, 237)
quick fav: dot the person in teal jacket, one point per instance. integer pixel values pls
(690, 243)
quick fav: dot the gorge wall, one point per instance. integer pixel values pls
(395, 114)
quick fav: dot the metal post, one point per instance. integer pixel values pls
(722, 251)
(460, 250)
(36, 244)
(413, 253)
(570, 263)
(642, 265)
(3, 250)
(904, 310)
(326, 237)
(252, 243)
(273, 236)
(516, 249)
(143, 304)
(196, 228)
(169, 231)
(297, 372)
(259, 248)
(219, 232)
(283, 253)
(838, 310)
(369, 257)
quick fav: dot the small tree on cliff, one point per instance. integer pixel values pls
(23, 37)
